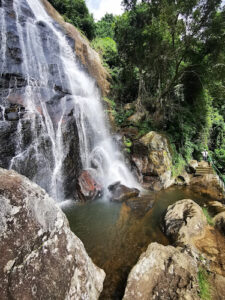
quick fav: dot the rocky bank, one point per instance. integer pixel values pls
(168, 272)
(40, 257)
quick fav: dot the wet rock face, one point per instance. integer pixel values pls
(163, 273)
(89, 58)
(184, 221)
(33, 94)
(40, 257)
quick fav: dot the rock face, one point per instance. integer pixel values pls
(40, 257)
(184, 221)
(163, 273)
(87, 56)
(152, 157)
(39, 94)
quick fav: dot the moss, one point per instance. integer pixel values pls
(204, 286)
(208, 217)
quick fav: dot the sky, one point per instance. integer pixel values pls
(100, 7)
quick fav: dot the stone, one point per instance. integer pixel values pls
(184, 221)
(216, 207)
(163, 273)
(183, 179)
(219, 221)
(87, 187)
(121, 193)
(192, 166)
(209, 186)
(40, 257)
(153, 160)
(137, 117)
(141, 205)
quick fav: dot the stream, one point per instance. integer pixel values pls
(115, 235)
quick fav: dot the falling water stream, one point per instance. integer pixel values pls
(44, 50)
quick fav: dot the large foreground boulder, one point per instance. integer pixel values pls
(40, 257)
(163, 273)
(184, 221)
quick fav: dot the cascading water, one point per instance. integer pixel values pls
(55, 92)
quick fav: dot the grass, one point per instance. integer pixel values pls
(203, 280)
(208, 217)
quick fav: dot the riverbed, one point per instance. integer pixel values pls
(115, 234)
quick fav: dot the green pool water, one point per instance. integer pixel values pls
(115, 236)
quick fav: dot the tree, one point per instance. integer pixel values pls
(76, 12)
(105, 27)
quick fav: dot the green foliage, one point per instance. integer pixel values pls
(122, 115)
(208, 217)
(105, 27)
(203, 280)
(178, 161)
(76, 13)
(172, 59)
(107, 48)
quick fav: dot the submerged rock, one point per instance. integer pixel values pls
(184, 221)
(121, 193)
(40, 257)
(163, 273)
(87, 187)
(141, 205)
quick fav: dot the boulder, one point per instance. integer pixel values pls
(87, 186)
(121, 193)
(184, 221)
(183, 179)
(192, 166)
(40, 257)
(152, 157)
(163, 273)
(209, 186)
(216, 207)
(219, 221)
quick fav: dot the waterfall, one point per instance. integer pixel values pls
(55, 89)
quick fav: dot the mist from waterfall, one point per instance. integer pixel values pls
(46, 66)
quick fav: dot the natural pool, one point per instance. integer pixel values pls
(115, 235)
